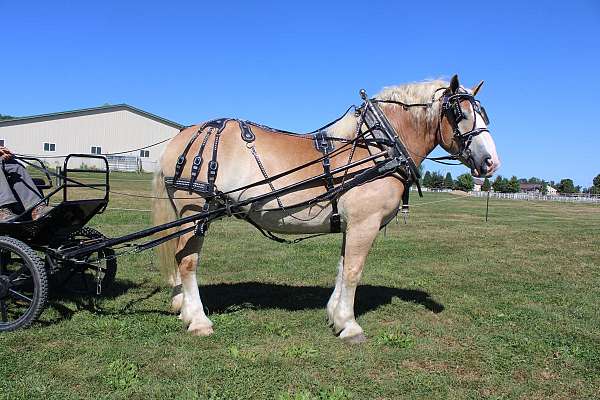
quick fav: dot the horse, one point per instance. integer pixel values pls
(424, 115)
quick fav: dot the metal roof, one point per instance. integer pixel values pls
(93, 110)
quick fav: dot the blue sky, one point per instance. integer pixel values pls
(298, 65)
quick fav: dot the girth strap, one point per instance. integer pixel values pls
(324, 146)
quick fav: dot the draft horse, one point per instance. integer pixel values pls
(423, 115)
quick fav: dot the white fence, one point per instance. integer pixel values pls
(124, 163)
(578, 198)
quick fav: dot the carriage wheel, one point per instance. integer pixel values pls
(23, 284)
(101, 266)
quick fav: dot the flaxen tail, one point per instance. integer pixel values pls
(163, 212)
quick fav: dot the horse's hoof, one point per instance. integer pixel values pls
(176, 303)
(356, 339)
(201, 330)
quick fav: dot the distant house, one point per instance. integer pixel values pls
(531, 187)
(477, 183)
(537, 188)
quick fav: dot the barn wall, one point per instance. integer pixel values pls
(114, 131)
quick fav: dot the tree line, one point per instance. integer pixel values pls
(3, 117)
(437, 181)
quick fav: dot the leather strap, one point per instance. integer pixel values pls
(324, 146)
(182, 158)
(197, 163)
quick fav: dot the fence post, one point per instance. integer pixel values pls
(58, 175)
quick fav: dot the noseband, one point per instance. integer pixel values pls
(452, 110)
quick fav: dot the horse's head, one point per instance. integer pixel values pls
(464, 132)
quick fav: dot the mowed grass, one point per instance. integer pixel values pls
(454, 307)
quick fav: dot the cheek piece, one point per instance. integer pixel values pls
(452, 110)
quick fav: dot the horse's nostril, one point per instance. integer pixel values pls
(489, 161)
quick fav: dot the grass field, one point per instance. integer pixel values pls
(454, 307)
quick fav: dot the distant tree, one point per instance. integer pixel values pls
(486, 185)
(499, 184)
(427, 180)
(448, 181)
(465, 182)
(437, 180)
(533, 179)
(566, 186)
(544, 189)
(513, 185)
(4, 117)
(595, 189)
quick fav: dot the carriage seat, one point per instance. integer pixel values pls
(41, 184)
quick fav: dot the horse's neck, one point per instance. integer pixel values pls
(417, 134)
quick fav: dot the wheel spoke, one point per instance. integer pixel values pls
(4, 309)
(15, 274)
(19, 296)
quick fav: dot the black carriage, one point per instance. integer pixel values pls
(29, 260)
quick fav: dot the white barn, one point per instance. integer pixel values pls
(99, 130)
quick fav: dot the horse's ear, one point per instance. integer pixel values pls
(454, 85)
(477, 87)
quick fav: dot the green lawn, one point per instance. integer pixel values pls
(454, 307)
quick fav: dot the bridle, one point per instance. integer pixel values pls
(452, 110)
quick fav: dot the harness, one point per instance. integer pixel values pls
(452, 109)
(206, 189)
(373, 131)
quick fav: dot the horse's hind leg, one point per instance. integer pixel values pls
(192, 310)
(177, 293)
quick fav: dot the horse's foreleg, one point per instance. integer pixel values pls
(359, 239)
(335, 296)
(192, 310)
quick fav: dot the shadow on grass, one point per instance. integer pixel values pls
(228, 297)
(224, 297)
(67, 303)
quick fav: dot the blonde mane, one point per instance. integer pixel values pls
(410, 93)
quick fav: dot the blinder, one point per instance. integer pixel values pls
(452, 109)
(454, 112)
(483, 114)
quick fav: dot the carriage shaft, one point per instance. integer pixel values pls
(71, 253)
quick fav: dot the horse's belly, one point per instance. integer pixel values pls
(313, 219)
